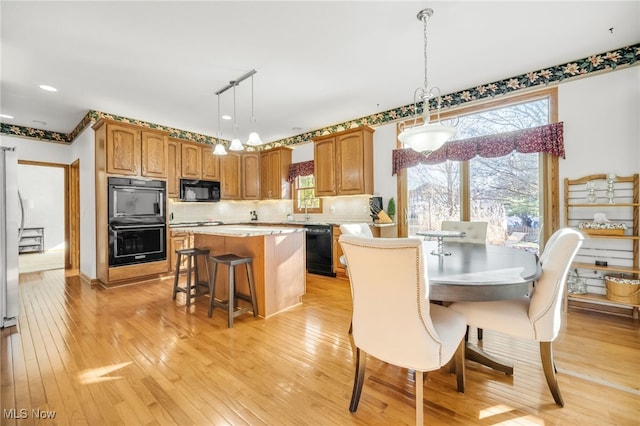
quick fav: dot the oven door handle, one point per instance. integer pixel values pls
(118, 227)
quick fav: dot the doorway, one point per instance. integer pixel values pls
(51, 198)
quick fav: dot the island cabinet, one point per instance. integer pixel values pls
(274, 174)
(344, 162)
(278, 263)
(251, 176)
(131, 150)
(231, 176)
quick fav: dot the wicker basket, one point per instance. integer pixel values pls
(623, 292)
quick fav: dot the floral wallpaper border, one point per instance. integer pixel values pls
(602, 62)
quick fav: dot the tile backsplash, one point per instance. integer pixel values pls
(335, 209)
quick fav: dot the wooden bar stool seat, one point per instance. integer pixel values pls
(193, 287)
(231, 304)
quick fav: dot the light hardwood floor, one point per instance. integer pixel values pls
(132, 356)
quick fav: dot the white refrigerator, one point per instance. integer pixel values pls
(11, 225)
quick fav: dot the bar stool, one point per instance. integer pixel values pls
(231, 304)
(194, 287)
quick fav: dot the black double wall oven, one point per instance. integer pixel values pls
(137, 221)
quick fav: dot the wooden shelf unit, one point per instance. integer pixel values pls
(626, 190)
(31, 241)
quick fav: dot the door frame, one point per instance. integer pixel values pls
(70, 186)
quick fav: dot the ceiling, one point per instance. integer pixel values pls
(318, 63)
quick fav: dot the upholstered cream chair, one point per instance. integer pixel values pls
(476, 232)
(392, 317)
(361, 229)
(538, 316)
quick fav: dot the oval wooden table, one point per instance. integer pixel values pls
(479, 272)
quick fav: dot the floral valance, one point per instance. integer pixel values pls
(548, 138)
(304, 168)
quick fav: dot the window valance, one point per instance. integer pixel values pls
(303, 168)
(548, 138)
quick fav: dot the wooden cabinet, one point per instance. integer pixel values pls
(210, 163)
(231, 176)
(344, 162)
(174, 168)
(251, 176)
(190, 161)
(179, 240)
(621, 252)
(274, 172)
(338, 268)
(133, 151)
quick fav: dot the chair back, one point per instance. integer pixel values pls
(361, 229)
(391, 318)
(476, 232)
(545, 307)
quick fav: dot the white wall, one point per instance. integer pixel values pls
(83, 149)
(42, 190)
(601, 116)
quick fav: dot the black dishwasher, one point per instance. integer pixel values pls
(320, 249)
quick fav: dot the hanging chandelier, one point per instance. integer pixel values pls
(426, 137)
(219, 148)
(254, 138)
(236, 145)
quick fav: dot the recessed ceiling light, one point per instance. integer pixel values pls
(226, 117)
(6, 116)
(48, 88)
(40, 122)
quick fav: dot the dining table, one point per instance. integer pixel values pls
(480, 272)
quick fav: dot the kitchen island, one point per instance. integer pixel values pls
(278, 262)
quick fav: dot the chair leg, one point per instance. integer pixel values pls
(546, 355)
(252, 289)
(459, 365)
(419, 397)
(212, 287)
(358, 380)
(176, 277)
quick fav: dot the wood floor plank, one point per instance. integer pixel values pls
(132, 355)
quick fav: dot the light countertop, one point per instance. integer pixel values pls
(241, 230)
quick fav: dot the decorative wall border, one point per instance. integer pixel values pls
(595, 64)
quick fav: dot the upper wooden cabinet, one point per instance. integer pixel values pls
(344, 162)
(274, 172)
(191, 160)
(131, 150)
(174, 168)
(210, 164)
(230, 169)
(251, 176)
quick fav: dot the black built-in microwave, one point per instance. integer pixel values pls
(199, 190)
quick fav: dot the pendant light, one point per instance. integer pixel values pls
(219, 149)
(426, 137)
(254, 138)
(236, 145)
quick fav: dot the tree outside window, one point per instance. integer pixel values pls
(305, 195)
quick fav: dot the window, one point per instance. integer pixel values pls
(510, 192)
(305, 195)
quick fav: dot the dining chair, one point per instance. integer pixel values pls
(393, 320)
(476, 232)
(361, 229)
(538, 316)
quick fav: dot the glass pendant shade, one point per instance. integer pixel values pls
(254, 139)
(236, 145)
(426, 137)
(219, 149)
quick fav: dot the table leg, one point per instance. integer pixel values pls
(476, 354)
